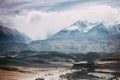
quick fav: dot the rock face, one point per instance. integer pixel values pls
(82, 36)
(76, 47)
(12, 40)
(12, 35)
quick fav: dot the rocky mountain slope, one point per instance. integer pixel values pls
(12, 35)
(82, 36)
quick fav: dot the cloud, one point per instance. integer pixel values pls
(39, 24)
(12, 6)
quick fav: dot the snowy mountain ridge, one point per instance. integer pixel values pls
(85, 26)
(84, 30)
(80, 37)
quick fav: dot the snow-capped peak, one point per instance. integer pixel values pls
(83, 26)
(86, 26)
(72, 28)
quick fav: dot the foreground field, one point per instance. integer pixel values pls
(33, 73)
(28, 65)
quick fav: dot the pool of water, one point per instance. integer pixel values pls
(104, 75)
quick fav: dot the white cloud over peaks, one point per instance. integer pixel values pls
(38, 24)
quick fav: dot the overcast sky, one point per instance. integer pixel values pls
(41, 18)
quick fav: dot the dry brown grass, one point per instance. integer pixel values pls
(11, 75)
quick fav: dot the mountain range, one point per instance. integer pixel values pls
(12, 35)
(84, 30)
(82, 36)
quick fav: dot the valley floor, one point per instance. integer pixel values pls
(33, 73)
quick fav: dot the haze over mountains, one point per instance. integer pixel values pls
(86, 30)
(12, 35)
(82, 36)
